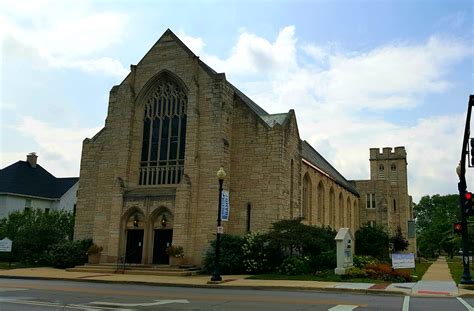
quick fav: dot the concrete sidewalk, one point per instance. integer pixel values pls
(436, 282)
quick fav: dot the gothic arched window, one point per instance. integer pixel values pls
(381, 172)
(321, 207)
(164, 135)
(306, 196)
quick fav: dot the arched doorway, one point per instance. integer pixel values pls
(134, 234)
(162, 226)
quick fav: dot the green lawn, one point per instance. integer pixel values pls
(329, 276)
(456, 268)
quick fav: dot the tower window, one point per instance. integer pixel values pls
(370, 200)
(393, 174)
(381, 172)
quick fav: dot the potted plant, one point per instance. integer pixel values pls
(176, 254)
(94, 253)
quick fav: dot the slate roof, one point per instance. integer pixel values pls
(22, 179)
(311, 155)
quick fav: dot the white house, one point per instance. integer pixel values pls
(25, 185)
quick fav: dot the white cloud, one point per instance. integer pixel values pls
(59, 149)
(58, 35)
(254, 54)
(329, 92)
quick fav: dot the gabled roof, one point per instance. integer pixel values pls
(311, 155)
(22, 179)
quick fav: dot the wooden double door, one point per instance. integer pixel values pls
(162, 239)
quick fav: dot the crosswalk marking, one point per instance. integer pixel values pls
(406, 303)
(343, 308)
(464, 302)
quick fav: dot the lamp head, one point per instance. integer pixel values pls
(221, 174)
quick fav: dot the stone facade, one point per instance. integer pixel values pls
(271, 173)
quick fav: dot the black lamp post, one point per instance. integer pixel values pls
(216, 276)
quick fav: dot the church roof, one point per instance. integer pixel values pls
(277, 118)
(22, 179)
(310, 154)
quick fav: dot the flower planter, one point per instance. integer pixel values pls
(176, 262)
(94, 258)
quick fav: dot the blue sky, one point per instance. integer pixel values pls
(359, 74)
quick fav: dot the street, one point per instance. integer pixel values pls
(22, 294)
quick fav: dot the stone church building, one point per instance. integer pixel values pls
(148, 178)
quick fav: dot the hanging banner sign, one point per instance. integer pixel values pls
(225, 205)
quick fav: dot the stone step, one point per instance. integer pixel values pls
(137, 269)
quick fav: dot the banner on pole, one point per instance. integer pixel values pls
(225, 205)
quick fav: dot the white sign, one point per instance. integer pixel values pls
(401, 261)
(225, 205)
(6, 245)
(220, 229)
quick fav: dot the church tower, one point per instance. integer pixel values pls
(384, 199)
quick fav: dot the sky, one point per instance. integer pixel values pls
(359, 74)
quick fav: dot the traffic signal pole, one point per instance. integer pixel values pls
(462, 187)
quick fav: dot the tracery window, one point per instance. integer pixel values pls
(393, 174)
(164, 135)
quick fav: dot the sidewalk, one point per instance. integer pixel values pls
(437, 281)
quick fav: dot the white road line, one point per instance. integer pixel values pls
(144, 304)
(58, 305)
(464, 302)
(406, 303)
(10, 289)
(343, 308)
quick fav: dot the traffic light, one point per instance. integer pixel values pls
(468, 203)
(457, 227)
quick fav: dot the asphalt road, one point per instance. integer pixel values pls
(16, 294)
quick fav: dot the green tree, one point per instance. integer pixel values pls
(399, 242)
(435, 216)
(372, 241)
(34, 232)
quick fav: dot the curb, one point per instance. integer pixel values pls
(219, 286)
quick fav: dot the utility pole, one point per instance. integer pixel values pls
(462, 187)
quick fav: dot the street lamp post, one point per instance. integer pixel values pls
(216, 276)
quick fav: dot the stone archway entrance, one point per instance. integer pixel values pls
(162, 239)
(134, 246)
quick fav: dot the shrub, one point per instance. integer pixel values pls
(68, 253)
(294, 266)
(372, 241)
(257, 253)
(355, 272)
(399, 242)
(175, 251)
(362, 261)
(231, 257)
(386, 273)
(324, 261)
(94, 249)
(34, 232)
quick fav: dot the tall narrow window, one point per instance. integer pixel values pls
(291, 188)
(332, 208)
(370, 200)
(164, 135)
(321, 207)
(393, 174)
(306, 197)
(340, 211)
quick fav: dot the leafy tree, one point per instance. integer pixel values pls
(435, 216)
(372, 241)
(399, 243)
(34, 232)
